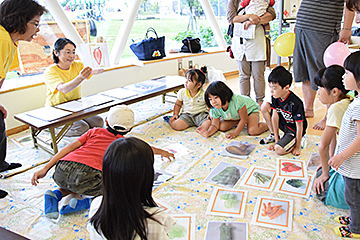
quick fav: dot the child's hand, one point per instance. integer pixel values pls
(272, 147)
(39, 174)
(319, 183)
(336, 161)
(296, 151)
(173, 118)
(231, 135)
(168, 155)
(202, 131)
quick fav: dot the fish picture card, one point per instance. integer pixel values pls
(291, 168)
(184, 228)
(95, 55)
(295, 187)
(259, 178)
(216, 230)
(314, 161)
(164, 206)
(225, 174)
(273, 213)
(238, 150)
(227, 202)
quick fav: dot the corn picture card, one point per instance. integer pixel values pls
(295, 187)
(227, 202)
(184, 228)
(273, 213)
(95, 55)
(259, 178)
(238, 150)
(291, 168)
(225, 174)
(216, 230)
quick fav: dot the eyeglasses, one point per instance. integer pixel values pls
(37, 25)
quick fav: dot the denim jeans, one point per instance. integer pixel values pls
(352, 198)
(3, 165)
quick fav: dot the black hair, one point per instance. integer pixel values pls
(352, 64)
(353, 5)
(127, 181)
(59, 45)
(219, 89)
(199, 76)
(15, 14)
(281, 76)
(330, 78)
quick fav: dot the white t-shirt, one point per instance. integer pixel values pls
(257, 7)
(192, 105)
(155, 231)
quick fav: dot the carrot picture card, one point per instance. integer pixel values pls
(295, 187)
(273, 213)
(238, 150)
(216, 230)
(291, 168)
(184, 228)
(259, 178)
(225, 174)
(95, 55)
(227, 202)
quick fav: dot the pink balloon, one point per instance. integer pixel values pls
(336, 53)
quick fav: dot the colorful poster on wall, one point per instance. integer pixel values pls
(95, 55)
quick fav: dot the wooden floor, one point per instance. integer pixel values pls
(319, 108)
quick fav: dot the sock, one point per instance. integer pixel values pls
(12, 166)
(3, 193)
(52, 199)
(76, 205)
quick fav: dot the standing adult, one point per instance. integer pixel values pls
(250, 54)
(19, 21)
(318, 24)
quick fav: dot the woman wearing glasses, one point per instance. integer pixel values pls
(19, 21)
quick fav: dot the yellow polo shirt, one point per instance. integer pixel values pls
(8, 53)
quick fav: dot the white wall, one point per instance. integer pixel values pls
(31, 98)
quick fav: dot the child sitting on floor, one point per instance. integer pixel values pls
(331, 93)
(79, 164)
(288, 113)
(191, 100)
(233, 109)
(346, 160)
(127, 209)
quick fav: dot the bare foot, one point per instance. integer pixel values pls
(320, 125)
(309, 113)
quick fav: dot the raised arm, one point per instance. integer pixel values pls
(71, 85)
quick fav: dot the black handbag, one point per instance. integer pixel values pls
(149, 48)
(230, 31)
(191, 45)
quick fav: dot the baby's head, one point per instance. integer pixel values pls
(279, 81)
(331, 87)
(120, 118)
(217, 94)
(195, 76)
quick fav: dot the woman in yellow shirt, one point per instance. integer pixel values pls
(63, 83)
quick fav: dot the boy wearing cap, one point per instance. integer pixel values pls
(79, 164)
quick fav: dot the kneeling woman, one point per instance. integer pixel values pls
(63, 80)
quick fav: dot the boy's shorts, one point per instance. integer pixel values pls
(287, 141)
(194, 119)
(78, 178)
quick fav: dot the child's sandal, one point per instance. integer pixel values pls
(344, 231)
(343, 220)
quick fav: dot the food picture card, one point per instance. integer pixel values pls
(164, 206)
(161, 176)
(291, 168)
(216, 230)
(314, 161)
(238, 150)
(225, 174)
(184, 228)
(227, 202)
(273, 213)
(259, 178)
(95, 55)
(295, 187)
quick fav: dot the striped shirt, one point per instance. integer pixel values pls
(348, 132)
(320, 15)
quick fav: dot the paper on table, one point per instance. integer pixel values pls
(83, 103)
(239, 31)
(146, 86)
(119, 93)
(48, 113)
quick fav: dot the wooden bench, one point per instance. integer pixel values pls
(38, 125)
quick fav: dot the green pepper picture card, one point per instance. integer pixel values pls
(295, 187)
(259, 178)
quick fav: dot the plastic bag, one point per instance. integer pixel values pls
(215, 74)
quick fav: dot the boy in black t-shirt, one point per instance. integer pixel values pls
(287, 113)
